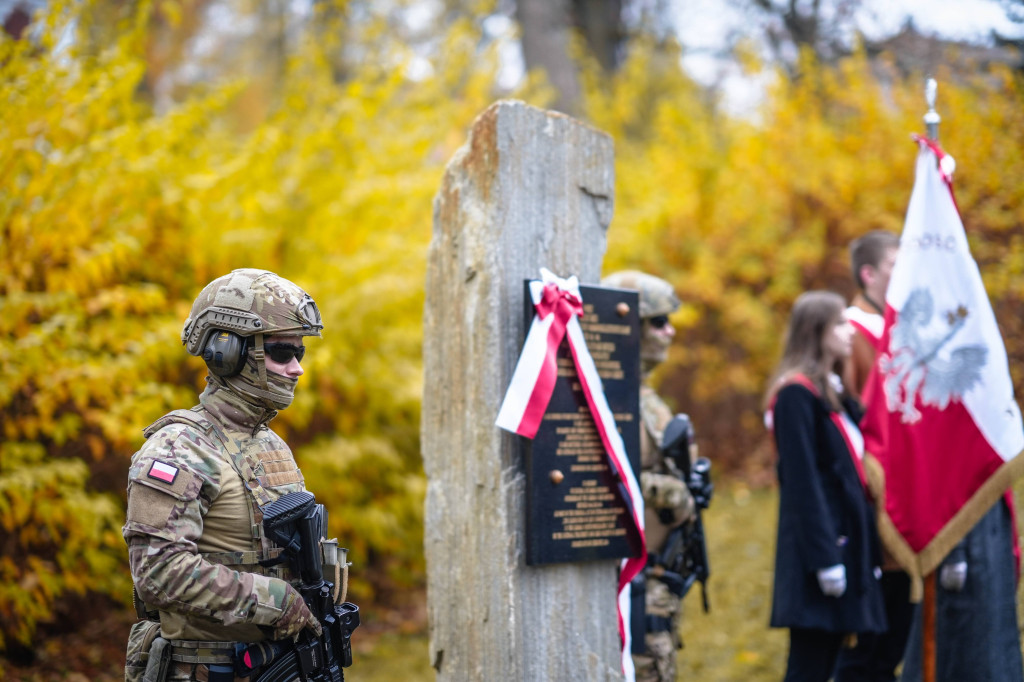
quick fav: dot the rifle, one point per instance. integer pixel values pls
(296, 523)
(684, 560)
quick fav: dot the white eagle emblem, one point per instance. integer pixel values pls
(913, 366)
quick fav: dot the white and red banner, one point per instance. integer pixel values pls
(941, 416)
(559, 306)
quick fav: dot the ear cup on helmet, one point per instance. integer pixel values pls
(224, 353)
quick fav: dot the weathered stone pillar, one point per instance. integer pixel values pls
(530, 188)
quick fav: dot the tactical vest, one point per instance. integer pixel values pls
(654, 416)
(253, 474)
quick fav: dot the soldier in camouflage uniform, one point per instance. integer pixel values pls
(667, 500)
(196, 487)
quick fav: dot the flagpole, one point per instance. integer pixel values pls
(928, 630)
(931, 118)
(931, 125)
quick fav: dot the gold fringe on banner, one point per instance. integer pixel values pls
(919, 565)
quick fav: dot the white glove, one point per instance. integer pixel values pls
(832, 580)
(953, 576)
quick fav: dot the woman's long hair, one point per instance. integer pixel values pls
(814, 313)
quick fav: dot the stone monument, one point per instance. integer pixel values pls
(530, 188)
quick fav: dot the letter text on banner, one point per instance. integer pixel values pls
(941, 417)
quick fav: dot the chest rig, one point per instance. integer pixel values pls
(265, 474)
(265, 470)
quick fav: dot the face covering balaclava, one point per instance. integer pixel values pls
(653, 348)
(247, 384)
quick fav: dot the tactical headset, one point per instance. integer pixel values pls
(225, 352)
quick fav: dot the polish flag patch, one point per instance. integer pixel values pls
(163, 472)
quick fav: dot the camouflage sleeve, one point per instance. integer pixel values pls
(172, 481)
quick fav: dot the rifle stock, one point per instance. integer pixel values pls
(684, 560)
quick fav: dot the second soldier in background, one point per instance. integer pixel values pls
(667, 499)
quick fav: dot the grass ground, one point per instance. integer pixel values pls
(731, 643)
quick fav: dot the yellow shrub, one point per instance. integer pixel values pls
(113, 218)
(743, 215)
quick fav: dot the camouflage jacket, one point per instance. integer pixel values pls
(667, 500)
(194, 529)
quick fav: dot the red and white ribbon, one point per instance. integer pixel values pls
(559, 306)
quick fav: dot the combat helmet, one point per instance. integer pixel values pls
(235, 312)
(657, 297)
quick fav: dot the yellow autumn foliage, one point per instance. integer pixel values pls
(742, 214)
(113, 216)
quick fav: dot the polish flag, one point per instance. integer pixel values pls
(941, 417)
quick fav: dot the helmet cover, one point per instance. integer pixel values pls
(249, 302)
(657, 297)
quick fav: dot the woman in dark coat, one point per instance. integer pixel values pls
(827, 550)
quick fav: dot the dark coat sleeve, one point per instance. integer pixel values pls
(802, 496)
(976, 631)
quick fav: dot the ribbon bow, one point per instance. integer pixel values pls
(557, 301)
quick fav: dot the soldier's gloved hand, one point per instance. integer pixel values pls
(953, 576)
(295, 616)
(663, 491)
(832, 580)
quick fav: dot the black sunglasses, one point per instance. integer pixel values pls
(658, 321)
(284, 352)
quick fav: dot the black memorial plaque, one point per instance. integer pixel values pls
(576, 509)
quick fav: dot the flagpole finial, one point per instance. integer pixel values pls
(932, 118)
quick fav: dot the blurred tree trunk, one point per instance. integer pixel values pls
(273, 16)
(547, 27)
(166, 41)
(824, 26)
(1014, 12)
(600, 21)
(15, 21)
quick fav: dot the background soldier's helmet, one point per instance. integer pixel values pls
(242, 304)
(657, 297)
